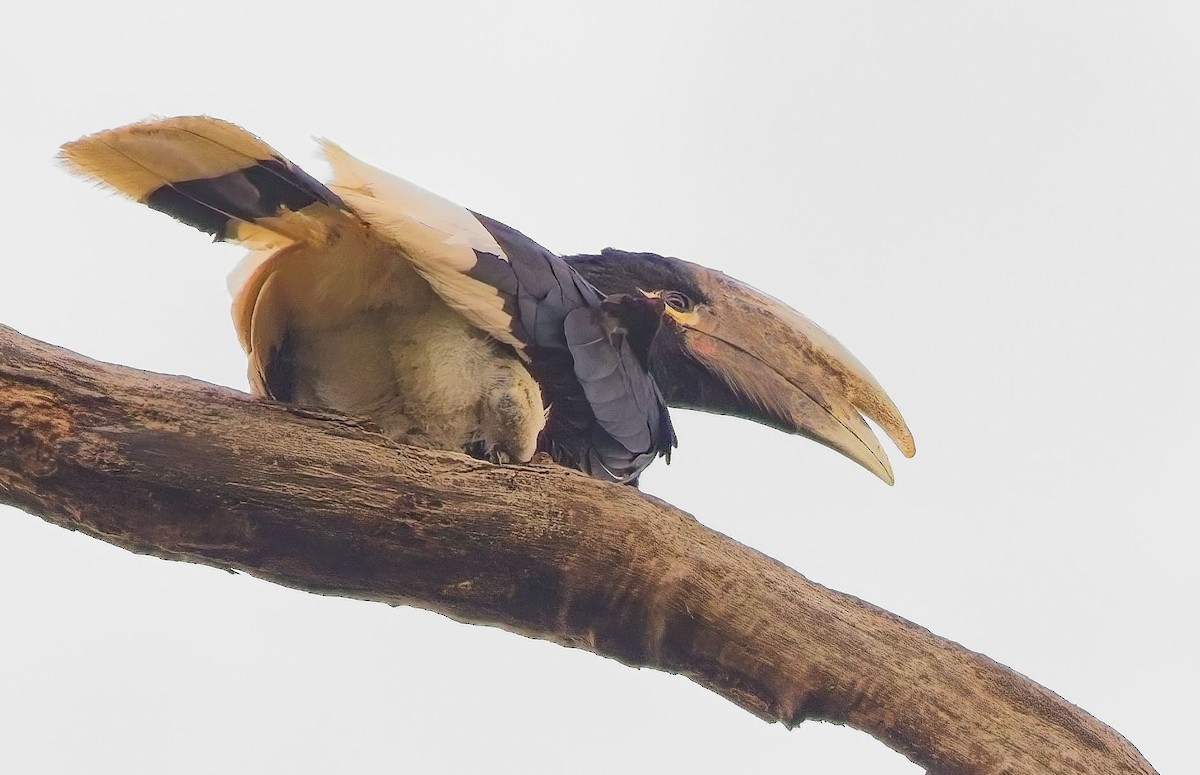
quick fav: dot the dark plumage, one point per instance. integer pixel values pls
(607, 417)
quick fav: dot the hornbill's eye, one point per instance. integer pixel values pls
(678, 301)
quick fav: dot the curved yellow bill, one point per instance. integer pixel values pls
(787, 372)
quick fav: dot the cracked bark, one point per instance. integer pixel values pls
(183, 470)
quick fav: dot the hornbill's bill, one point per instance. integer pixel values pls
(728, 348)
(375, 297)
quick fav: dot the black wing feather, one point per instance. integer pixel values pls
(607, 416)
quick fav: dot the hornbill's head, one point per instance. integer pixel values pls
(727, 348)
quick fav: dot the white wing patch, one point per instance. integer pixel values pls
(454, 222)
(437, 236)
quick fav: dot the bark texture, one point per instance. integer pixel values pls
(187, 471)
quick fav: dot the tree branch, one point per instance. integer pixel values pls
(183, 470)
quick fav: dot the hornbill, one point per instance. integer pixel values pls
(374, 297)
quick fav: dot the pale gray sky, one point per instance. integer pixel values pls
(992, 204)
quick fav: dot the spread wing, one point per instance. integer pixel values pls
(223, 180)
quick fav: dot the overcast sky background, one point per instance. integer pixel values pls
(993, 205)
